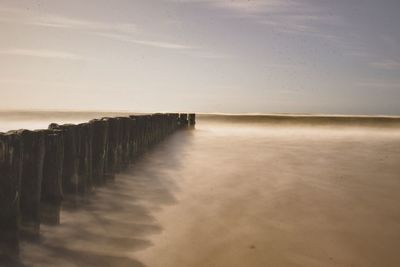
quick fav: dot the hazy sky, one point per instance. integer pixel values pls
(318, 56)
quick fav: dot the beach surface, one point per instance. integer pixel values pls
(232, 194)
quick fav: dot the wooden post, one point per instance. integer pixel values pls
(11, 150)
(192, 119)
(71, 157)
(114, 146)
(100, 148)
(183, 119)
(125, 136)
(85, 160)
(52, 191)
(31, 182)
(133, 140)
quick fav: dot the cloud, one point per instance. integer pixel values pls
(116, 31)
(298, 18)
(282, 66)
(84, 25)
(41, 54)
(290, 17)
(253, 6)
(21, 16)
(209, 55)
(126, 32)
(384, 84)
(387, 64)
(151, 43)
(161, 44)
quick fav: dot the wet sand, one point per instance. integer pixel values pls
(241, 195)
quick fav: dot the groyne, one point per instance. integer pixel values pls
(38, 169)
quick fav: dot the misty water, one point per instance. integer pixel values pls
(240, 194)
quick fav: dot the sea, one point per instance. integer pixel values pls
(237, 191)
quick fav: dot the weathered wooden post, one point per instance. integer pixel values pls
(107, 129)
(71, 159)
(192, 119)
(183, 119)
(52, 191)
(150, 129)
(31, 181)
(85, 160)
(133, 150)
(11, 150)
(99, 150)
(114, 146)
(125, 136)
(156, 128)
(176, 122)
(147, 135)
(139, 134)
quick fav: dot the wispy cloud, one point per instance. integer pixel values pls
(42, 54)
(383, 84)
(247, 6)
(289, 17)
(84, 25)
(282, 66)
(42, 84)
(151, 43)
(254, 6)
(387, 64)
(21, 16)
(161, 44)
(126, 32)
(117, 31)
(209, 55)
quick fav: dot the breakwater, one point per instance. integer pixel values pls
(38, 169)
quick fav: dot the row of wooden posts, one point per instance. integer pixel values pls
(39, 168)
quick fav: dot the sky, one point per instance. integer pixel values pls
(227, 56)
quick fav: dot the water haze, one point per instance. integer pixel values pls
(238, 193)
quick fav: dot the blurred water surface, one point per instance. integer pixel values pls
(33, 120)
(241, 194)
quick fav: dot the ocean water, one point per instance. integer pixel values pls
(33, 120)
(233, 193)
